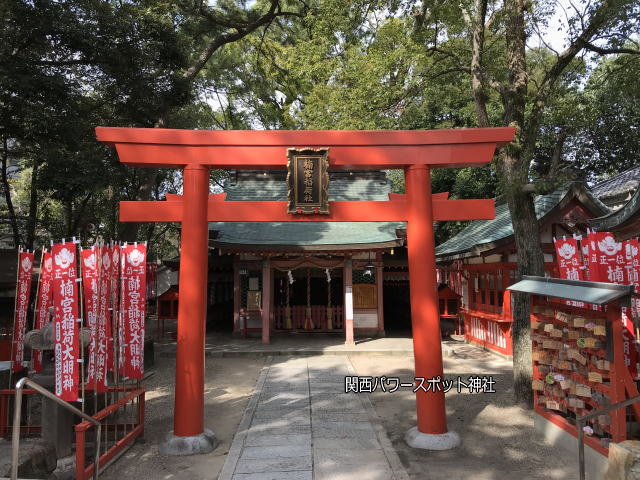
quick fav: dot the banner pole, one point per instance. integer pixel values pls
(15, 307)
(35, 309)
(109, 319)
(120, 320)
(115, 274)
(95, 337)
(80, 284)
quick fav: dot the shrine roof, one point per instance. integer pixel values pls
(307, 235)
(625, 182)
(624, 222)
(371, 185)
(481, 235)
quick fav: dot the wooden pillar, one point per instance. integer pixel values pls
(618, 371)
(189, 398)
(266, 301)
(236, 296)
(380, 284)
(272, 282)
(425, 317)
(348, 302)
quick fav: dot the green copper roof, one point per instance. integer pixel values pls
(485, 232)
(272, 185)
(306, 234)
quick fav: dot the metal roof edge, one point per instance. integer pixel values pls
(574, 289)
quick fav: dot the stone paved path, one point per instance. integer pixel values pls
(300, 425)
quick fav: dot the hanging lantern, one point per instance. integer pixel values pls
(368, 268)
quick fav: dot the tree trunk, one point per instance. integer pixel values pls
(33, 206)
(6, 188)
(68, 218)
(530, 262)
(477, 44)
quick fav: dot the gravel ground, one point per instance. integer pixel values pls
(498, 440)
(229, 384)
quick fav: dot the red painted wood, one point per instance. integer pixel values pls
(274, 157)
(303, 138)
(189, 398)
(425, 321)
(266, 302)
(344, 211)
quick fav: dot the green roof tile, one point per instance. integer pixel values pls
(480, 232)
(307, 233)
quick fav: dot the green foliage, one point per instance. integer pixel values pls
(609, 141)
(68, 66)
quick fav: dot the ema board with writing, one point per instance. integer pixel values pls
(308, 180)
(572, 357)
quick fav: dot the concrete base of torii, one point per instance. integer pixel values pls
(206, 442)
(429, 441)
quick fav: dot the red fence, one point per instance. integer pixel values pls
(318, 317)
(488, 333)
(122, 422)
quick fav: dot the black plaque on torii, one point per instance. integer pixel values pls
(308, 180)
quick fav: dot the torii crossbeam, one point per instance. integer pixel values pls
(196, 152)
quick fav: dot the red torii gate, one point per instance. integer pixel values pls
(196, 152)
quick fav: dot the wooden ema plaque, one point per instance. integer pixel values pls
(574, 369)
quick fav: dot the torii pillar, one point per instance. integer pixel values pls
(194, 256)
(198, 151)
(431, 432)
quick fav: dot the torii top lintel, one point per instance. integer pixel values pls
(263, 149)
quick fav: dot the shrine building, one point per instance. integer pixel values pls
(480, 262)
(305, 267)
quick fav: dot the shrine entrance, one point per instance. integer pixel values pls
(308, 299)
(196, 152)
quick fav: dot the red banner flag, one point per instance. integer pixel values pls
(629, 346)
(102, 353)
(608, 263)
(23, 290)
(90, 285)
(632, 257)
(606, 258)
(65, 304)
(569, 265)
(133, 308)
(568, 256)
(584, 248)
(114, 301)
(43, 303)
